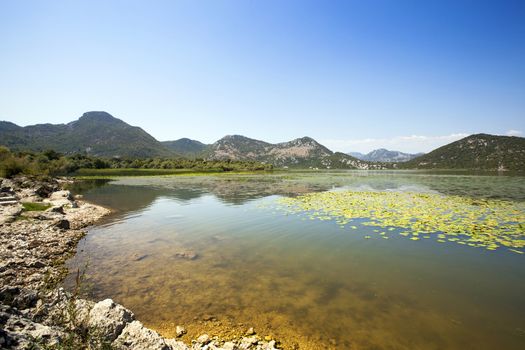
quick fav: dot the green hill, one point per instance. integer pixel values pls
(480, 152)
(186, 147)
(95, 133)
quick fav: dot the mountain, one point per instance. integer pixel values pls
(384, 155)
(186, 147)
(100, 134)
(357, 155)
(303, 152)
(480, 151)
(96, 133)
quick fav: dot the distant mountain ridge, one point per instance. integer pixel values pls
(357, 155)
(479, 151)
(186, 147)
(303, 152)
(384, 155)
(100, 134)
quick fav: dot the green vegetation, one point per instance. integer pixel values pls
(481, 152)
(186, 147)
(485, 223)
(95, 133)
(35, 206)
(53, 163)
(98, 135)
(45, 163)
(110, 172)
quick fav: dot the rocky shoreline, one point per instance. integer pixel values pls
(40, 226)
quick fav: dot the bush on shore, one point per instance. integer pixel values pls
(53, 163)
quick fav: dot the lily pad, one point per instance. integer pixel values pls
(478, 223)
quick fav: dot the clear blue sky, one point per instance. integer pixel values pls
(353, 74)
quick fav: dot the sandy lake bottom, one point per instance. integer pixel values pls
(220, 254)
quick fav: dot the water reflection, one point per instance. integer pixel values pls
(309, 282)
(238, 189)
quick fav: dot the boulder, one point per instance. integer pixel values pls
(63, 224)
(136, 336)
(230, 346)
(60, 198)
(176, 344)
(57, 209)
(9, 213)
(61, 195)
(109, 318)
(7, 186)
(246, 342)
(59, 307)
(20, 298)
(19, 332)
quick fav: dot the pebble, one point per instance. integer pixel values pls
(180, 331)
(209, 318)
(203, 339)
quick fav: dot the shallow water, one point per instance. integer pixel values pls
(306, 282)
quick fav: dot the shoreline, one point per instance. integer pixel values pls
(41, 224)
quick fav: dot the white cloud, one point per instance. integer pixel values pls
(513, 133)
(409, 144)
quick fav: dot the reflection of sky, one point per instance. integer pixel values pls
(237, 189)
(255, 260)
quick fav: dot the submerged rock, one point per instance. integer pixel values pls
(33, 247)
(139, 257)
(208, 318)
(188, 255)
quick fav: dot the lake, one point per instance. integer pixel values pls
(221, 253)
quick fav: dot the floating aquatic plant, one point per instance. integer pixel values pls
(486, 223)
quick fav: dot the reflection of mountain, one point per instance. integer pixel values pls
(233, 192)
(134, 194)
(122, 199)
(384, 155)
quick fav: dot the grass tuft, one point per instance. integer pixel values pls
(35, 206)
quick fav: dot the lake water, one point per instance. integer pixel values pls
(312, 284)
